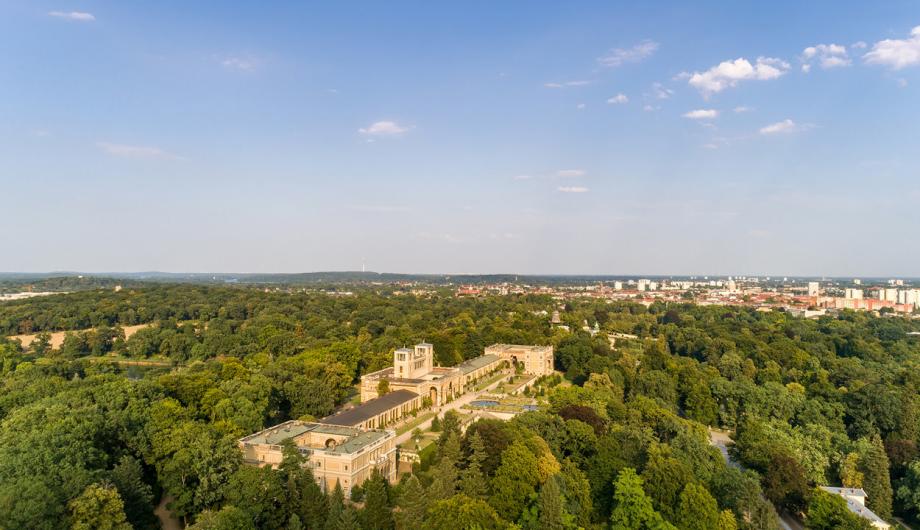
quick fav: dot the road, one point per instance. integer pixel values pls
(453, 405)
(722, 440)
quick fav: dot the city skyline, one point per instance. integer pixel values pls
(477, 138)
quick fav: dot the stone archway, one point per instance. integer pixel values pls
(433, 395)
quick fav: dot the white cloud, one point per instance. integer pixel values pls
(702, 114)
(858, 45)
(780, 127)
(73, 15)
(729, 73)
(660, 91)
(522, 177)
(567, 84)
(618, 99)
(620, 56)
(135, 151)
(580, 106)
(896, 53)
(650, 108)
(902, 83)
(384, 128)
(741, 108)
(825, 55)
(572, 189)
(570, 173)
(242, 64)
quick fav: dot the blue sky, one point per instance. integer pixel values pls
(528, 137)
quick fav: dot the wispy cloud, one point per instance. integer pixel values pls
(783, 127)
(827, 56)
(384, 128)
(572, 189)
(896, 53)
(659, 91)
(240, 64)
(620, 56)
(567, 84)
(741, 108)
(77, 16)
(570, 173)
(701, 114)
(522, 177)
(136, 151)
(728, 74)
(618, 99)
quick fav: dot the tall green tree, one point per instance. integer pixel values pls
(98, 508)
(876, 478)
(413, 505)
(829, 512)
(472, 481)
(377, 513)
(444, 474)
(697, 510)
(128, 477)
(515, 481)
(632, 508)
(463, 513)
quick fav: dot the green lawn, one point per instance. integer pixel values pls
(422, 418)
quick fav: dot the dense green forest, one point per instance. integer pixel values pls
(622, 441)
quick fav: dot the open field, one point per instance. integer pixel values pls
(57, 337)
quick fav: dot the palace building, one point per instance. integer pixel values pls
(348, 445)
(334, 453)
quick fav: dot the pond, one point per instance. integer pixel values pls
(484, 403)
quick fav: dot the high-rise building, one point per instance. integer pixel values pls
(857, 281)
(855, 294)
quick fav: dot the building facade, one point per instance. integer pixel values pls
(536, 360)
(335, 453)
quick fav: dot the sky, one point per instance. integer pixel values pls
(522, 137)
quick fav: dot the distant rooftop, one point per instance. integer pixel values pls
(477, 363)
(371, 408)
(857, 507)
(357, 438)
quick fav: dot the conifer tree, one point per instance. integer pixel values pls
(336, 507)
(876, 479)
(377, 514)
(472, 481)
(550, 511)
(444, 475)
(413, 504)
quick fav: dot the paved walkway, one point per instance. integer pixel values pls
(722, 439)
(453, 405)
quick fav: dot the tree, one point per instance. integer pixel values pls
(127, 477)
(472, 481)
(445, 473)
(515, 481)
(550, 507)
(664, 478)
(449, 425)
(827, 511)
(336, 507)
(632, 508)
(383, 388)
(347, 520)
(377, 514)
(577, 492)
(876, 479)
(909, 488)
(850, 475)
(463, 513)
(413, 505)
(98, 508)
(784, 482)
(228, 518)
(697, 509)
